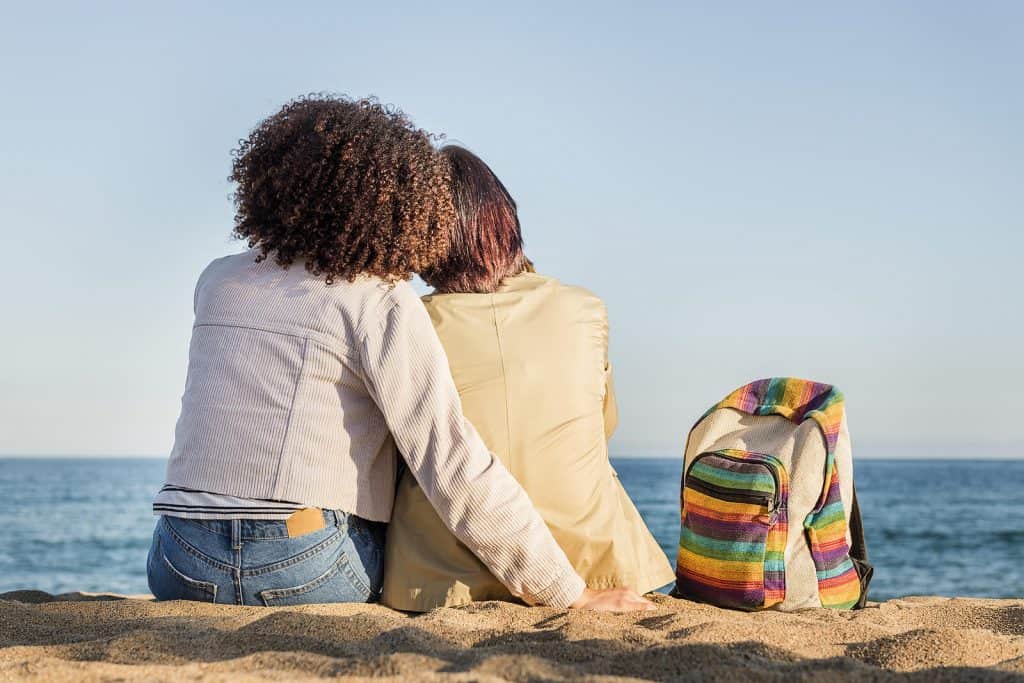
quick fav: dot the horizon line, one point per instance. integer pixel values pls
(612, 456)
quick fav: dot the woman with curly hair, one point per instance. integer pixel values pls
(313, 364)
(530, 360)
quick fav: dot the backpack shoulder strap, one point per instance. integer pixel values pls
(859, 552)
(796, 400)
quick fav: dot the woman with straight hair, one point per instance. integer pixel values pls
(313, 364)
(529, 356)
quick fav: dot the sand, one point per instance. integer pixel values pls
(104, 637)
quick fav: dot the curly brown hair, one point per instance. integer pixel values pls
(350, 186)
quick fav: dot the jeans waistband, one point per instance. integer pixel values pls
(256, 529)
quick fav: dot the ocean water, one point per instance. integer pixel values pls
(938, 527)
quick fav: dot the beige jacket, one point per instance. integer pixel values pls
(530, 365)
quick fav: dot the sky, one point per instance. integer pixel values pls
(808, 189)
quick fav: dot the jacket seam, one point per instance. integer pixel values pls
(281, 466)
(377, 319)
(330, 343)
(504, 384)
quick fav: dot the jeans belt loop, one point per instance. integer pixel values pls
(340, 519)
(236, 534)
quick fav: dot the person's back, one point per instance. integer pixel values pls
(529, 360)
(271, 347)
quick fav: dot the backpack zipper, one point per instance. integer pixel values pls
(771, 501)
(731, 495)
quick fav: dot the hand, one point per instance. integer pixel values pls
(613, 600)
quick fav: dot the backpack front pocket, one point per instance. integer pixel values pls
(733, 535)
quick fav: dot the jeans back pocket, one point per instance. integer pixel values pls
(167, 582)
(340, 583)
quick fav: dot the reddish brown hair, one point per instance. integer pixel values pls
(486, 241)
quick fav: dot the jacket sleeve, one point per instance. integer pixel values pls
(407, 373)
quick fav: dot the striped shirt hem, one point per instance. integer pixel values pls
(176, 501)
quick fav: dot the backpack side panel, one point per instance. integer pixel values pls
(828, 532)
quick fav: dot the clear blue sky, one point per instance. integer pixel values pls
(755, 189)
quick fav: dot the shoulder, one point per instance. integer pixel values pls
(223, 271)
(229, 263)
(579, 298)
(395, 298)
(380, 303)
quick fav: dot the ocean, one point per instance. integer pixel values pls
(934, 527)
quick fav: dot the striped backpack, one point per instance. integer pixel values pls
(769, 513)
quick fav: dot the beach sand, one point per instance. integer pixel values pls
(100, 637)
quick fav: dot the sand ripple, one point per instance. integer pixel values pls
(87, 638)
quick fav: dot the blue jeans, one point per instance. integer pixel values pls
(254, 562)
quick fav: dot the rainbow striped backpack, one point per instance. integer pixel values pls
(769, 512)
